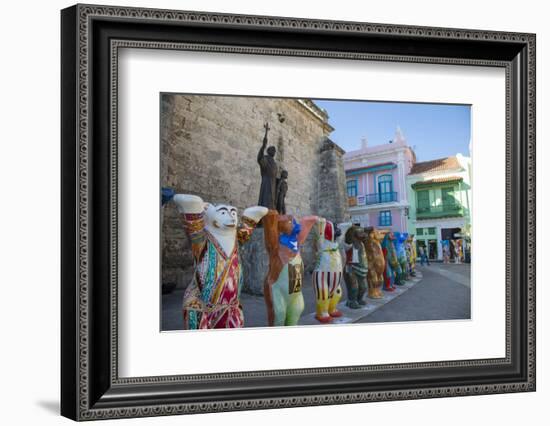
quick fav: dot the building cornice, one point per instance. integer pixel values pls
(432, 175)
(437, 182)
(381, 206)
(369, 169)
(358, 154)
(321, 115)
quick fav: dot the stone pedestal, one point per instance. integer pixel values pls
(255, 263)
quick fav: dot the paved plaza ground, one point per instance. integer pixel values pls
(440, 292)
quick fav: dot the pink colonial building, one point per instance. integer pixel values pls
(376, 183)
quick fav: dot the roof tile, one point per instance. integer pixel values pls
(437, 180)
(441, 164)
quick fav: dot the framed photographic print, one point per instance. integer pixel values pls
(263, 212)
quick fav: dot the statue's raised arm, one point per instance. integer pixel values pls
(261, 153)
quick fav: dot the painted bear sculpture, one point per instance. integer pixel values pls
(457, 250)
(400, 238)
(212, 299)
(283, 295)
(376, 262)
(446, 250)
(410, 247)
(356, 268)
(327, 273)
(391, 269)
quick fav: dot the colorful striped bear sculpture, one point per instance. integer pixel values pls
(327, 274)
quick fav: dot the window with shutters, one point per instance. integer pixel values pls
(423, 200)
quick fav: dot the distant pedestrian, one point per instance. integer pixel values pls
(423, 256)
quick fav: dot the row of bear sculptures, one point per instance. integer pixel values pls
(365, 259)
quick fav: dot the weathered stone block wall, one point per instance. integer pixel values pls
(209, 146)
(332, 183)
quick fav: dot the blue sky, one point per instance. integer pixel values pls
(433, 130)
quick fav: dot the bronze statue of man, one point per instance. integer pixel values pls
(268, 169)
(282, 188)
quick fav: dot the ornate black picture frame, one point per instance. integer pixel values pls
(91, 37)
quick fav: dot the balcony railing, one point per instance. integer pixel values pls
(444, 210)
(370, 199)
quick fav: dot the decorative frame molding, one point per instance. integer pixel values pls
(91, 388)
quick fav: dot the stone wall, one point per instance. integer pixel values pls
(333, 199)
(209, 146)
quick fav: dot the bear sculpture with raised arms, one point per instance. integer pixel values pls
(212, 299)
(327, 273)
(284, 237)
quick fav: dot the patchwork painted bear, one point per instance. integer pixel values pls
(212, 299)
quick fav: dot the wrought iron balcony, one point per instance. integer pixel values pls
(444, 210)
(370, 199)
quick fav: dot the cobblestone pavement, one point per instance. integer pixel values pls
(255, 311)
(443, 294)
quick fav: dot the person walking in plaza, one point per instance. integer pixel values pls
(423, 256)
